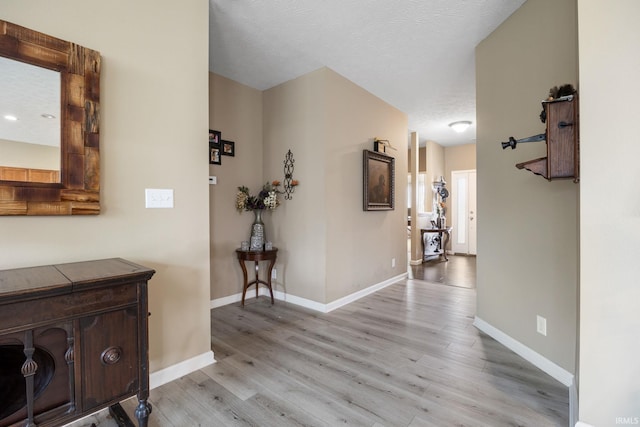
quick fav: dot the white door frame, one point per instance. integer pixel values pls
(462, 240)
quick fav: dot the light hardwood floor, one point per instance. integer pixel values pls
(407, 355)
(459, 271)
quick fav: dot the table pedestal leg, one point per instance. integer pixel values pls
(257, 280)
(246, 284)
(269, 270)
(255, 256)
(444, 245)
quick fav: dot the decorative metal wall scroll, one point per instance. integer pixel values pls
(289, 182)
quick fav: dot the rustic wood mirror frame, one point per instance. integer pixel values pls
(78, 192)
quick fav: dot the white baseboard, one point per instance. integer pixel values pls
(219, 302)
(302, 302)
(231, 299)
(363, 292)
(573, 404)
(307, 303)
(538, 360)
(526, 353)
(415, 262)
(169, 374)
(181, 369)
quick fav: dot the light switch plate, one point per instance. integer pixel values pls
(213, 180)
(158, 198)
(541, 325)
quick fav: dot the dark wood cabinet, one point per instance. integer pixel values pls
(109, 371)
(73, 340)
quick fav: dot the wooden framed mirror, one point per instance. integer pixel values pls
(74, 189)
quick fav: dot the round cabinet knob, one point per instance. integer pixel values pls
(111, 356)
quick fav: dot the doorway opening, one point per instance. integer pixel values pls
(464, 212)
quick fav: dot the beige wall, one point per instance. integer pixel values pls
(528, 228)
(459, 158)
(609, 291)
(295, 119)
(152, 135)
(422, 159)
(312, 116)
(361, 245)
(236, 111)
(456, 158)
(441, 162)
(422, 168)
(32, 156)
(415, 247)
(329, 243)
(435, 169)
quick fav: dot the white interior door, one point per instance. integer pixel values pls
(473, 214)
(464, 212)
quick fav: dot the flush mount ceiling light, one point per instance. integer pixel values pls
(10, 117)
(460, 126)
(48, 116)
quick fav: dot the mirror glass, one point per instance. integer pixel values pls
(30, 119)
(58, 111)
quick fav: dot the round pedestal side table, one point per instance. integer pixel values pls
(256, 257)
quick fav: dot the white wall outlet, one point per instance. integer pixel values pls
(393, 262)
(274, 274)
(213, 180)
(541, 325)
(158, 198)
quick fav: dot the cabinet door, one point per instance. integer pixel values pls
(109, 357)
(51, 381)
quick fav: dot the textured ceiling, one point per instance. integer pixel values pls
(27, 92)
(417, 55)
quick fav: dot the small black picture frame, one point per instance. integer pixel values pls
(215, 136)
(215, 154)
(228, 148)
(378, 181)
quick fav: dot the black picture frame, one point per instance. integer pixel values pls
(215, 154)
(228, 148)
(215, 136)
(378, 181)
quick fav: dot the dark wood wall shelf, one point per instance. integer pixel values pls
(73, 340)
(562, 139)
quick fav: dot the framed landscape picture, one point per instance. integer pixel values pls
(378, 181)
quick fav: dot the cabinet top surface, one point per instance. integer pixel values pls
(32, 282)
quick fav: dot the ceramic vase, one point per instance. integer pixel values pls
(257, 232)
